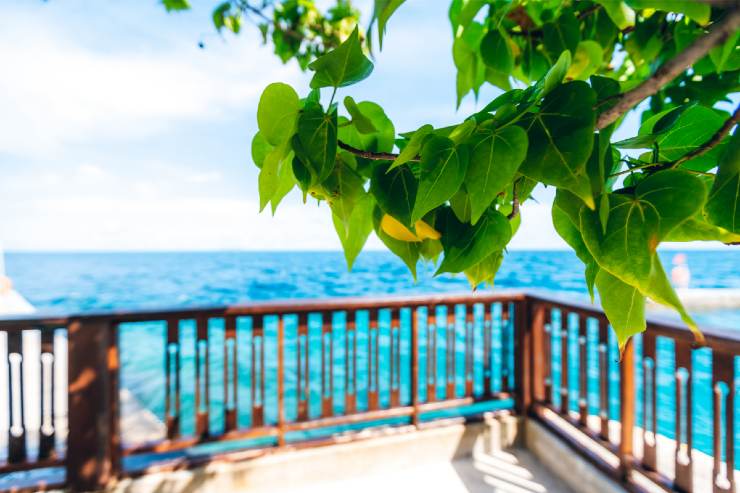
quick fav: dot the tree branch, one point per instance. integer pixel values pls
(375, 156)
(713, 142)
(718, 34)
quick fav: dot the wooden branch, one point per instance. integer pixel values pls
(718, 34)
(713, 142)
(375, 156)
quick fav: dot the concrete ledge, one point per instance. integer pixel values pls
(292, 470)
(571, 468)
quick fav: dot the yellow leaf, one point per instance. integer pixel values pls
(393, 228)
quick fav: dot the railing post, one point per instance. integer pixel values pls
(416, 418)
(522, 357)
(537, 326)
(93, 459)
(627, 407)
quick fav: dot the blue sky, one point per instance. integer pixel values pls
(118, 133)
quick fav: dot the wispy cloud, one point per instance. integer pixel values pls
(56, 89)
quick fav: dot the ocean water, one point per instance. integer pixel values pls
(85, 282)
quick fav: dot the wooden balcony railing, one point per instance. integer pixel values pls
(307, 373)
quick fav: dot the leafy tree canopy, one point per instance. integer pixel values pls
(569, 71)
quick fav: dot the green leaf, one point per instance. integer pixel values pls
(461, 206)
(636, 225)
(561, 139)
(723, 206)
(566, 219)
(624, 306)
(381, 140)
(494, 161)
(698, 229)
(317, 140)
(271, 176)
(342, 189)
(554, 76)
(260, 149)
(659, 289)
(353, 232)
(586, 61)
(562, 34)
(395, 192)
(696, 10)
(219, 15)
(361, 122)
(466, 245)
(619, 12)
(384, 9)
(631, 237)
(496, 51)
(277, 113)
(727, 55)
(413, 147)
(407, 251)
(676, 195)
(691, 130)
(175, 5)
(443, 167)
(343, 66)
(485, 270)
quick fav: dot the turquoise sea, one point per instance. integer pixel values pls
(85, 282)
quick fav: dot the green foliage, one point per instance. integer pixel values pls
(344, 66)
(457, 191)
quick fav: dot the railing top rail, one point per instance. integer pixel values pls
(291, 306)
(716, 337)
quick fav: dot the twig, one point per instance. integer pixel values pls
(375, 156)
(514, 203)
(718, 34)
(713, 142)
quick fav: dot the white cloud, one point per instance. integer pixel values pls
(56, 90)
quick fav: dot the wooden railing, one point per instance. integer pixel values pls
(307, 373)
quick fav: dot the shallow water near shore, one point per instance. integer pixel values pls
(84, 282)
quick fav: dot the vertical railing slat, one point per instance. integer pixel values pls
(395, 367)
(415, 365)
(583, 370)
(487, 350)
(47, 428)
(547, 355)
(469, 348)
(350, 356)
(450, 333)
(202, 379)
(627, 408)
(281, 379)
(258, 362)
(17, 451)
(431, 354)
(373, 360)
(327, 365)
(564, 363)
(604, 367)
(302, 368)
(723, 372)
(684, 481)
(649, 401)
(172, 389)
(230, 373)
